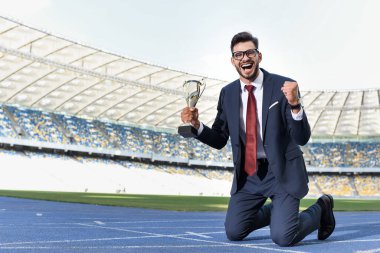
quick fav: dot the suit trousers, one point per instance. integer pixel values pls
(247, 212)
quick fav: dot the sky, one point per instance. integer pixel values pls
(322, 44)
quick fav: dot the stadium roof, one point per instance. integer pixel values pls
(51, 73)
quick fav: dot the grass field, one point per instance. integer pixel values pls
(177, 203)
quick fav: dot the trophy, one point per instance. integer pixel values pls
(193, 90)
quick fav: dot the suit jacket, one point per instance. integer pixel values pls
(282, 135)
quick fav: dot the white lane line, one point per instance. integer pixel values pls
(195, 227)
(129, 222)
(98, 239)
(78, 240)
(154, 235)
(164, 221)
(199, 235)
(322, 243)
(254, 246)
(168, 221)
(359, 223)
(143, 247)
(76, 226)
(120, 247)
(199, 240)
(177, 219)
(87, 240)
(369, 251)
(342, 241)
(147, 235)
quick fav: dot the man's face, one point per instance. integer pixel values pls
(248, 65)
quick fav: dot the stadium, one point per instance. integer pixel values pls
(70, 104)
(78, 119)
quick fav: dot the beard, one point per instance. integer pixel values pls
(251, 76)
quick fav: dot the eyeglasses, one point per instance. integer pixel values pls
(239, 55)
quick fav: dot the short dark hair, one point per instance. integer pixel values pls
(244, 37)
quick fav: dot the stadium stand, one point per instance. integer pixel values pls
(343, 154)
(6, 127)
(57, 128)
(367, 185)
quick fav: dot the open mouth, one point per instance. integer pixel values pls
(247, 66)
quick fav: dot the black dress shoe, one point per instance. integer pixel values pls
(327, 224)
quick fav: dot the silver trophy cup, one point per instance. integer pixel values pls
(193, 90)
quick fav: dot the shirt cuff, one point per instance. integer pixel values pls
(200, 129)
(296, 116)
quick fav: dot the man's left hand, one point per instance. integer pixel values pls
(290, 90)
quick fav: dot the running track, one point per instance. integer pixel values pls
(43, 226)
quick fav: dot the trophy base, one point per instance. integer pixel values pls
(188, 131)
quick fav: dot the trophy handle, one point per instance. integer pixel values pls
(204, 86)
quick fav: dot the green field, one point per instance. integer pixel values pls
(177, 203)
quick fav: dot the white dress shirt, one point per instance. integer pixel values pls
(258, 93)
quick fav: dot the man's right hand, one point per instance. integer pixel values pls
(190, 115)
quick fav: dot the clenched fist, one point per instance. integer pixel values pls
(290, 90)
(190, 115)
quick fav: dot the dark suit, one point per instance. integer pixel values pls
(284, 174)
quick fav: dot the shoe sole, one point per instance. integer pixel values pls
(331, 200)
(332, 206)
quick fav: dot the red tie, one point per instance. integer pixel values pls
(251, 133)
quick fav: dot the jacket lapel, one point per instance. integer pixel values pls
(235, 108)
(267, 96)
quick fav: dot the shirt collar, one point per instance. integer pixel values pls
(258, 82)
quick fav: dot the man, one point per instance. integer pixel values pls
(262, 114)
